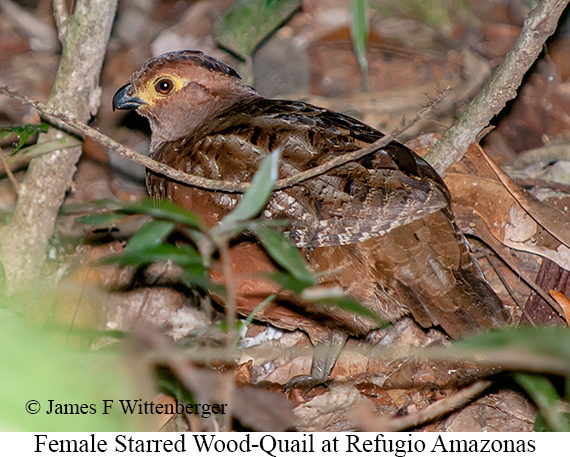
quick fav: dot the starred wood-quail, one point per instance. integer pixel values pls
(380, 227)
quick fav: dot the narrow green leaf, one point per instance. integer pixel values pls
(255, 199)
(195, 276)
(546, 398)
(351, 305)
(182, 255)
(162, 209)
(334, 296)
(2, 278)
(284, 253)
(169, 384)
(150, 236)
(290, 282)
(251, 317)
(359, 31)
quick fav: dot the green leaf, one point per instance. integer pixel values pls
(246, 23)
(195, 276)
(255, 199)
(251, 317)
(24, 132)
(334, 296)
(162, 209)
(171, 385)
(183, 255)
(150, 236)
(546, 398)
(359, 32)
(290, 282)
(284, 253)
(552, 341)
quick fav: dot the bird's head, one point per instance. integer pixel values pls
(179, 91)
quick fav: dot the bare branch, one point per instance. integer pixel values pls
(67, 123)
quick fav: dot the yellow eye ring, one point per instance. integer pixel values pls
(164, 86)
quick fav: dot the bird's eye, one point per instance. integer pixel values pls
(164, 86)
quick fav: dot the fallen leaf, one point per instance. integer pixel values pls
(563, 302)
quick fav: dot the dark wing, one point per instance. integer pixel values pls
(380, 227)
(351, 203)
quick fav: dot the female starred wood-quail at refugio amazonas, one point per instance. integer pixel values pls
(380, 227)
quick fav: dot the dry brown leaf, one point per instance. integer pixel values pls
(242, 374)
(161, 419)
(263, 410)
(505, 411)
(331, 411)
(351, 364)
(381, 397)
(399, 396)
(550, 218)
(512, 215)
(563, 302)
(299, 366)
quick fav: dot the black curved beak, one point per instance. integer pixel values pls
(123, 99)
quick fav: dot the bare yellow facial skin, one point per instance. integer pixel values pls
(160, 88)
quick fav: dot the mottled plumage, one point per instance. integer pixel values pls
(381, 226)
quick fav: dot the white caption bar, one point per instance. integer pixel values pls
(282, 444)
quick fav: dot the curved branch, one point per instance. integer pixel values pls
(69, 124)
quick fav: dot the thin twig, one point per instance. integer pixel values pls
(360, 153)
(428, 414)
(508, 288)
(9, 171)
(79, 128)
(230, 283)
(498, 247)
(501, 87)
(230, 286)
